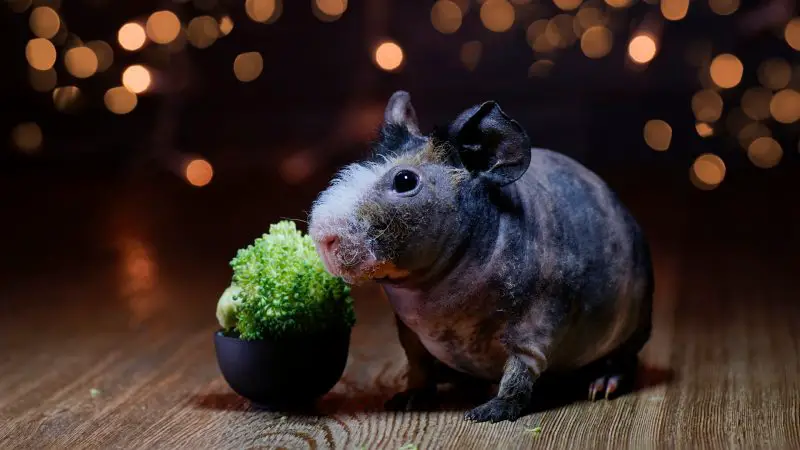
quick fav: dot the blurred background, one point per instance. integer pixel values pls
(146, 141)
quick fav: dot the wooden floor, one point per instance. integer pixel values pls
(114, 348)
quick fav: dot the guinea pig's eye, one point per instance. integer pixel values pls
(405, 181)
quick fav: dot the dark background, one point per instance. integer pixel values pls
(100, 179)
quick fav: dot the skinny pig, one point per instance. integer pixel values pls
(500, 260)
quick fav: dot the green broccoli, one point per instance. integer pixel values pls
(280, 287)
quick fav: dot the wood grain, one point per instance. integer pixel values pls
(721, 370)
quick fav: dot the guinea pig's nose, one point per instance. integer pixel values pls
(330, 243)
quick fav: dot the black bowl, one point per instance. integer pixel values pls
(286, 373)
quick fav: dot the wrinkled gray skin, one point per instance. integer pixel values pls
(501, 261)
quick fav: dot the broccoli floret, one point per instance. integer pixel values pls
(280, 287)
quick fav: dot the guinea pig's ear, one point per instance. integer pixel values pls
(400, 111)
(491, 144)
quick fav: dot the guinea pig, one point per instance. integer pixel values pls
(500, 260)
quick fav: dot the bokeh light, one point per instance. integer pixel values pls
(264, 11)
(596, 42)
(707, 105)
(560, 31)
(66, 97)
(27, 137)
(471, 54)
(298, 167)
(588, 17)
(225, 25)
(724, 7)
(446, 16)
(707, 171)
(619, 3)
(81, 62)
(726, 70)
(704, 129)
(163, 27)
(497, 15)
(540, 68)
(44, 22)
(657, 134)
(642, 48)
(18, 6)
(203, 31)
(765, 152)
(248, 66)
(328, 10)
(120, 100)
(674, 9)
(198, 172)
(755, 103)
(792, 33)
(136, 78)
(568, 5)
(785, 106)
(42, 80)
(388, 56)
(751, 132)
(40, 53)
(774, 73)
(131, 36)
(104, 53)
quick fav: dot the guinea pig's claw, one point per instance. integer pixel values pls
(607, 385)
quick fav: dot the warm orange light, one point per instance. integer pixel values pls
(726, 70)
(724, 7)
(203, 31)
(703, 129)
(27, 137)
(389, 56)
(560, 31)
(18, 6)
(707, 171)
(199, 172)
(568, 5)
(40, 53)
(42, 80)
(497, 15)
(65, 97)
(81, 62)
(674, 9)
(225, 25)
(658, 135)
(619, 3)
(765, 152)
(785, 106)
(540, 68)
(471, 54)
(329, 10)
(751, 132)
(131, 36)
(588, 17)
(642, 48)
(248, 66)
(792, 33)
(755, 103)
(596, 42)
(261, 10)
(120, 100)
(104, 54)
(774, 73)
(163, 27)
(446, 16)
(136, 78)
(44, 22)
(707, 105)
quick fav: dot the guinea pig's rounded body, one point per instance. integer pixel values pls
(500, 260)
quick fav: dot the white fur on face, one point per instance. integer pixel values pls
(335, 208)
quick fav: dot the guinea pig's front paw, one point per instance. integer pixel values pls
(416, 399)
(496, 410)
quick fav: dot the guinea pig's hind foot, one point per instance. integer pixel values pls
(617, 373)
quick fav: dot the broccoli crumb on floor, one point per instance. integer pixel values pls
(94, 392)
(535, 431)
(409, 446)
